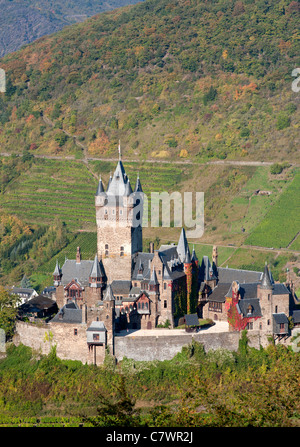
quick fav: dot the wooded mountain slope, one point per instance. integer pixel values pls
(23, 21)
(172, 79)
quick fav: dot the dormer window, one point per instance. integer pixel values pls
(249, 310)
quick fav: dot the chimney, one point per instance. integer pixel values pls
(78, 256)
(151, 247)
(84, 314)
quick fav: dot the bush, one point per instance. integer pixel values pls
(283, 121)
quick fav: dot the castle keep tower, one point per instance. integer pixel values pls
(119, 224)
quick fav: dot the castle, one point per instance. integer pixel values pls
(125, 288)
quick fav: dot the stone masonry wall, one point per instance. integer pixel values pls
(143, 348)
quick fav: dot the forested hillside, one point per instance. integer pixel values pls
(23, 21)
(172, 79)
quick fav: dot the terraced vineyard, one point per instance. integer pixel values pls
(65, 189)
(282, 222)
(50, 189)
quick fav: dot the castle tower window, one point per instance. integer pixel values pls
(276, 309)
(165, 304)
(165, 285)
(121, 212)
(121, 251)
(75, 332)
(106, 246)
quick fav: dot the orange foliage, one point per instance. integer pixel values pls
(100, 145)
(242, 90)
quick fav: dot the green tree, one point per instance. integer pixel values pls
(8, 311)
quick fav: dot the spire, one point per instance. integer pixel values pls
(182, 246)
(153, 279)
(187, 259)
(120, 150)
(194, 256)
(128, 189)
(138, 186)
(266, 282)
(100, 188)
(57, 269)
(96, 271)
(109, 296)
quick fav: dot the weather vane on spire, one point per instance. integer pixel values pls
(119, 150)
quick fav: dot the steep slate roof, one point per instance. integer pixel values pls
(207, 271)
(38, 303)
(118, 182)
(296, 316)
(191, 320)
(69, 313)
(108, 294)
(220, 292)
(280, 318)
(120, 287)
(280, 289)
(97, 269)
(183, 246)
(246, 290)
(79, 271)
(100, 188)
(266, 281)
(228, 275)
(244, 304)
(142, 259)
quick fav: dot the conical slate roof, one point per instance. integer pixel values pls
(153, 279)
(96, 271)
(266, 281)
(100, 188)
(184, 250)
(109, 296)
(182, 246)
(194, 256)
(128, 189)
(57, 269)
(138, 186)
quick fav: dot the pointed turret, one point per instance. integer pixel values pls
(128, 189)
(266, 281)
(100, 188)
(138, 186)
(96, 271)
(194, 256)
(182, 246)
(57, 274)
(109, 296)
(153, 279)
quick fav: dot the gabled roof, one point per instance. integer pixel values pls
(78, 271)
(227, 275)
(245, 304)
(69, 313)
(207, 271)
(120, 287)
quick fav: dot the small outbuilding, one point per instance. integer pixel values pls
(191, 322)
